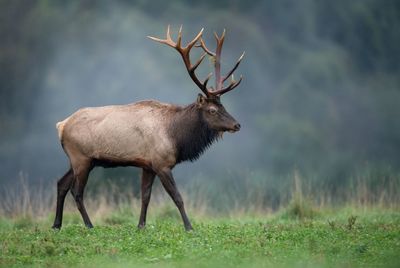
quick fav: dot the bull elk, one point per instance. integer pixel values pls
(148, 134)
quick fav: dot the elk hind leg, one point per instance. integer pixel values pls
(81, 173)
(63, 186)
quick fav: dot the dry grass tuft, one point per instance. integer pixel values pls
(114, 204)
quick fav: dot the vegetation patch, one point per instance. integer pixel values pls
(332, 238)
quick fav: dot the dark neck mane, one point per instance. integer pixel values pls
(191, 134)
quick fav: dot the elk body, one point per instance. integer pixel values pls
(148, 134)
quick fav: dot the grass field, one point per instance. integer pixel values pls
(331, 238)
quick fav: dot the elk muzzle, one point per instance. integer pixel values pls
(236, 127)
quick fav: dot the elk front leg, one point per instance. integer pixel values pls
(168, 182)
(147, 183)
(63, 186)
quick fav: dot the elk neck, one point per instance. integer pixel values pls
(190, 133)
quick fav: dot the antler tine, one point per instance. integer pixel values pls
(169, 33)
(220, 38)
(168, 41)
(194, 67)
(203, 46)
(234, 68)
(178, 42)
(231, 86)
(220, 43)
(207, 79)
(194, 41)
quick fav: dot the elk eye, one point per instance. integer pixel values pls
(213, 110)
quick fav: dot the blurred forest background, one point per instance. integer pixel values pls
(320, 98)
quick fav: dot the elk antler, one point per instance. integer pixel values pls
(185, 51)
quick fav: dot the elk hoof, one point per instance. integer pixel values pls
(56, 227)
(188, 228)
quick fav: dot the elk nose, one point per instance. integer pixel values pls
(237, 127)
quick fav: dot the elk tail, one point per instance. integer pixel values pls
(60, 127)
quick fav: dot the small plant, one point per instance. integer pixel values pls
(299, 207)
(332, 224)
(351, 221)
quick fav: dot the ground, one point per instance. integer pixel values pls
(347, 237)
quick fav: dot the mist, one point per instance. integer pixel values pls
(320, 92)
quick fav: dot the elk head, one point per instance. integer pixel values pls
(212, 110)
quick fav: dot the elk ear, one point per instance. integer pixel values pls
(200, 99)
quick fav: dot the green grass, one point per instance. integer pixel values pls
(347, 237)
